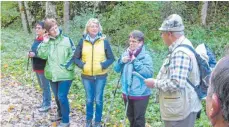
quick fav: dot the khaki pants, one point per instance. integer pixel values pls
(187, 122)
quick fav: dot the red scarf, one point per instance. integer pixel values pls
(39, 38)
(134, 53)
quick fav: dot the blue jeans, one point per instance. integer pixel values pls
(60, 90)
(44, 84)
(94, 92)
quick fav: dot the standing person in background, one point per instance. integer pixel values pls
(58, 50)
(135, 93)
(179, 102)
(217, 96)
(94, 55)
(38, 67)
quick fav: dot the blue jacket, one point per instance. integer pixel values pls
(143, 65)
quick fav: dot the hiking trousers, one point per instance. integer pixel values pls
(187, 122)
(136, 112)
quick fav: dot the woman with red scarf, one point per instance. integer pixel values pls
(38, 68)
(135, 65)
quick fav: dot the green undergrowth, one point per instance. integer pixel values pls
(15, 45)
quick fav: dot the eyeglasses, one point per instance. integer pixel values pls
(94, 26)
(133, 41)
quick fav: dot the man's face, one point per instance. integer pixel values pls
(166, 37)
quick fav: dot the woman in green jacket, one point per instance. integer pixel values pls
(58, 50)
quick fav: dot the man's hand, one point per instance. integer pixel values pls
(150, 82)
(31, 54)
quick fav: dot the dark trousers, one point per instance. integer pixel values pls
(136, 112)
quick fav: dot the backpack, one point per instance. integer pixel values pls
(204, 69)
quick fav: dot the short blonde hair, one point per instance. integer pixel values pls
(92, 20)
(49, 23)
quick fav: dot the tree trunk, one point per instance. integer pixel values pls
(50, 10)
(23, 17)
(66, 16)
(95, 7)
(29, 16)
(204, 11)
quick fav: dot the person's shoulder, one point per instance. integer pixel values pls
(106, 42)
(67, 40)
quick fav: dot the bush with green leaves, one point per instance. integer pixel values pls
(117, 23)
(9, 12)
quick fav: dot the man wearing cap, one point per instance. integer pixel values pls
(179, 102)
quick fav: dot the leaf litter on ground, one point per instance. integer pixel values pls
(19, 107)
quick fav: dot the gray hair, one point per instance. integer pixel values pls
(177, 34)
(92, 20)
(137, 34)
(219, 84)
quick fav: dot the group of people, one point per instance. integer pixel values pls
(54, 57)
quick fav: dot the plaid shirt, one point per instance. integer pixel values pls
(175, 70)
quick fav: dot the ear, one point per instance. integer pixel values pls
(215, 109)
(169, 33)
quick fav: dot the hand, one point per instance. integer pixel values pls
(45, 37)
(125, 59)
(150, 82)
(31, 54)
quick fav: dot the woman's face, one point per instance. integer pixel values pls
(39, 30)
(93, 29)
(54, 31)
(134, 43)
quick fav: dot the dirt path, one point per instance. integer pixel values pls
(18, 107)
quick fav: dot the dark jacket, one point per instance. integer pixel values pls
(37, 63)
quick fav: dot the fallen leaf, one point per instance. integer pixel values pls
(5, 65)
(10, 108)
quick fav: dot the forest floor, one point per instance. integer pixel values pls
(19, 107)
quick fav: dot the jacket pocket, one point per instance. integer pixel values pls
(174, 103)
(87, 69)
(97, 69)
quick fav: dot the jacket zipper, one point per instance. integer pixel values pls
(92, 59)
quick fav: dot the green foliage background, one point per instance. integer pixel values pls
(118, 20)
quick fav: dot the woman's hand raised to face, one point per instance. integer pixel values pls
(46, 37)
(125, 59)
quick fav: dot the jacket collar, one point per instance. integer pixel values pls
(176, 43)
(98, 36)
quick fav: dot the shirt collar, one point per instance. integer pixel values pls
(176, 43)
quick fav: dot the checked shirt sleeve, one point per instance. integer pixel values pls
(178, 71)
